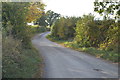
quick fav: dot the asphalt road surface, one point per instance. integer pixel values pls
(61, 62)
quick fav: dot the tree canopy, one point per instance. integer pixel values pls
(108, 8)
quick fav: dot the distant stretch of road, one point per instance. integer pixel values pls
(61, 62)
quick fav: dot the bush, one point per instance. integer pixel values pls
(18, 54)
(64, 28)
(17, 61)
(97, 37)
(84, 31)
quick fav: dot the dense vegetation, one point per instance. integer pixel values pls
(64, 28)
(20, 58)
(47, 19)
(97, 37)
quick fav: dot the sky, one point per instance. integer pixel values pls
(70, 7)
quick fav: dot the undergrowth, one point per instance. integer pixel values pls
(107, 55)
(19, 62)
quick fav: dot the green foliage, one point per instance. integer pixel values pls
(96, 33)
(64, 27)
(41, 29)
(108, 8)
(108, 55)
(86, 32)
(111, 41)
(18, 54)
(47, 20)
(35, 10)
(51, 17)
(42, 21)
(18, 62)
(14, 14)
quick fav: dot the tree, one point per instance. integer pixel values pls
(84, 31)
(107, 9)
(47, 19)
(42, 21)
(64, 28)
(16, 15)
(16, 40)
(51, 17)
(35, 10)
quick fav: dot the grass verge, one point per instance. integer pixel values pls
(20, 62)
(107, 55)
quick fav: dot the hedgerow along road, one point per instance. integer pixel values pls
(61, 62)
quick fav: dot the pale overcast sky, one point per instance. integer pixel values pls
(70, 7)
